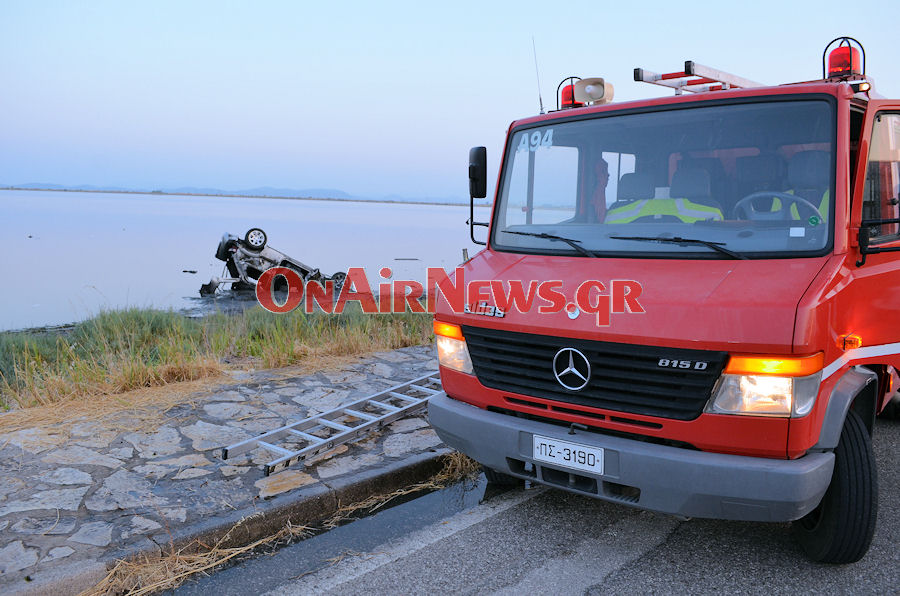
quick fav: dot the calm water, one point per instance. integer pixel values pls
(70, 254)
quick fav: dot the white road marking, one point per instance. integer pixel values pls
(596, 557)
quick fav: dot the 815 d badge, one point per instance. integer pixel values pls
(688, 364)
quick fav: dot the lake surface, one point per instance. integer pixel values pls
(71, 254)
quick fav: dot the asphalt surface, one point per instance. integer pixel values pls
(547, 541)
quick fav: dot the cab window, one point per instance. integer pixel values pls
(881, 193)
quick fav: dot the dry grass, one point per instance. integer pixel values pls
(134, 410)
(147, 574)
(142, 409)
(119, 351)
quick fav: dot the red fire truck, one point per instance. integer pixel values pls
(739, 376)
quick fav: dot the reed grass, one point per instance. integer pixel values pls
(118, 351)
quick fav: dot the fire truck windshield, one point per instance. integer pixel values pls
(754, 178)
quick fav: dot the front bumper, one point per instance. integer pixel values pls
(645, 475)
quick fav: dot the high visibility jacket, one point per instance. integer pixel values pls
(684, 209)
(823, 206)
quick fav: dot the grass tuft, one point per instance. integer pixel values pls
(123, 350)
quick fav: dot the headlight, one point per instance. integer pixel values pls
(451, 347)
(765, 395)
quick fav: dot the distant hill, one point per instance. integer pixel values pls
(261, 191)
(84, 187)
(192, 190)
(324, 193)
(401, 199)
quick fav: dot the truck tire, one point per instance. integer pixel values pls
(840, 529)
(495, 477)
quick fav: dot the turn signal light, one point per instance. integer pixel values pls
(775, 365)
(447, 330)
(849, 342)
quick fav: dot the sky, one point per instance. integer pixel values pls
(370, 98)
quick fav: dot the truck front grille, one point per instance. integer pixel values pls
(624, 377)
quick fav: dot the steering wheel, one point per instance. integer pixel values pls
(745, 207)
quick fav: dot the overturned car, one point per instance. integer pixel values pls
(248, 257)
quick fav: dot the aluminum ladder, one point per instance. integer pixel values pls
(326, 431)
(695, 78)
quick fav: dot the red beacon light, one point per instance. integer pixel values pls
(843, 61)
(848, 59)
(565, 94)
(568, 97)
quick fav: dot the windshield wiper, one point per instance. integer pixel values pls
(573, 243)
(716, 246)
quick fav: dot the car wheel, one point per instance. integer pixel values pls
(495, 477)
(222, 251)
(339, 278)
(840, 529)
(255, 239)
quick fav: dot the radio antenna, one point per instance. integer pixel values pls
(537, 74)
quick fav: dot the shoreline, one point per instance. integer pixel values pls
(239, 196)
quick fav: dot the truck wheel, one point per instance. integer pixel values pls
(495, 477)
(255, 239)
(840, 529)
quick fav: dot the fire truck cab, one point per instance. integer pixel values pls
(753, 232)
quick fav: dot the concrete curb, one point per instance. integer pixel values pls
(304, 506)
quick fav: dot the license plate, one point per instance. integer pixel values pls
(568, 455)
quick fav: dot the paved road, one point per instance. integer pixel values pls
(547, 541)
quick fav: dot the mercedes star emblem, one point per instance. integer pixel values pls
(571, 369)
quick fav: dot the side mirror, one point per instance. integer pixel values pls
(864, 239)
(477, 172)
(477, 186)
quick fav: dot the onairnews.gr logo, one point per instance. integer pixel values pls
(481, 297)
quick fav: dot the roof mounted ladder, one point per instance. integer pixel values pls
(307, 438)
(695, 78)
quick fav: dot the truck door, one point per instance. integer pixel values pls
(873, 313)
